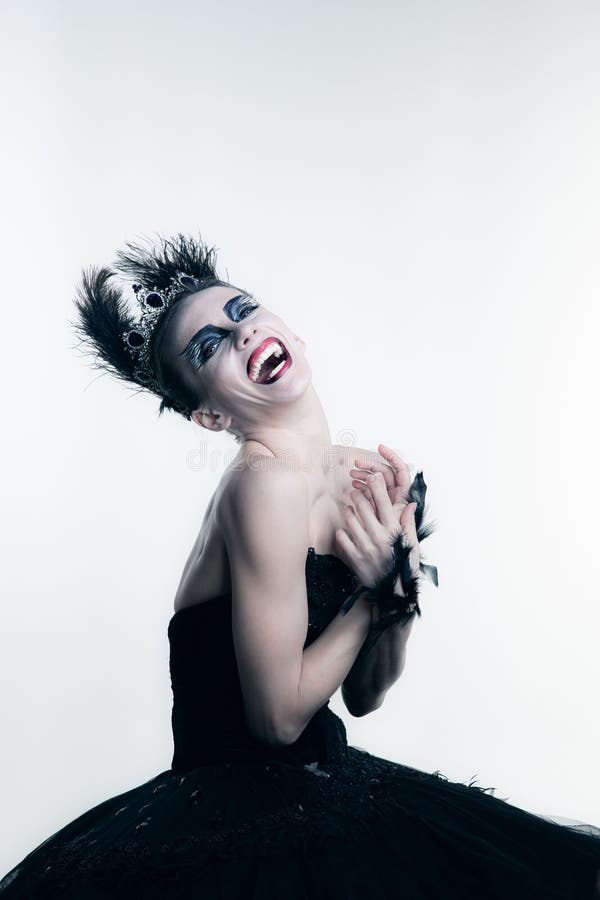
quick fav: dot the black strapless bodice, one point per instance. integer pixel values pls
(208, 717)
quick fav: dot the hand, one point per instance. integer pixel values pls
(395, 472)
(397, 481)
(372, 525)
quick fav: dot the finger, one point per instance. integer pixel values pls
(383, 505)
(364, 490)
(356, 530)
(398, 498)
(368, 466)
(366, 514)
(376, 466)
(400, 468)
(397, 464)
(346, 549)
(409, 526)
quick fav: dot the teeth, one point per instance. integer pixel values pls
(277, 368)
(272, 349)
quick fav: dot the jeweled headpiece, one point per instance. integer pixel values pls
(122, 340)
(153, 303)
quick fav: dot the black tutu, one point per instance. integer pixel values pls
(235, 819)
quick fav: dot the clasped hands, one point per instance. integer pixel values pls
(381, 512)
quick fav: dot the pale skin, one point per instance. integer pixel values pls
(289, 488)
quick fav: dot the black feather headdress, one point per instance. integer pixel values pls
(105, 317)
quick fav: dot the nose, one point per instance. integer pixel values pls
(246, 335)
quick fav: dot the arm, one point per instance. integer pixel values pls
(381, 484)
(265, 524)
(372, 674)
(380, 664)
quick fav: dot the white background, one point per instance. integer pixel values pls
(413, 187)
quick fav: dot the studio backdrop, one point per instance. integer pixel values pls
(414, 188)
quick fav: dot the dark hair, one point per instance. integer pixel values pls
(104, 314)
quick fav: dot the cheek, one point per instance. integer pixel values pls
(223, 375)
(207, 384)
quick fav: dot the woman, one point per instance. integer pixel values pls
(304, 577)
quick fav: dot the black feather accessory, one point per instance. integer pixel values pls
(125, 344)
(399, 608)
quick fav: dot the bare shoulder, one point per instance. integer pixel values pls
(264, 495)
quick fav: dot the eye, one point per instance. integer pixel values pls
(210, 349)
(246, 307)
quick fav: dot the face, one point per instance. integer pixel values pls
(243, 358)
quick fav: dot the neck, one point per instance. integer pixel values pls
(297, 433)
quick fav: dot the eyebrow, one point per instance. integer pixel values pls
(229, 309)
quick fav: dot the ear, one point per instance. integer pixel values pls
(212, 420)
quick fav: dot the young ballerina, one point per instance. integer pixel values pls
(304, 578)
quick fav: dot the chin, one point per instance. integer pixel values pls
(296, 380)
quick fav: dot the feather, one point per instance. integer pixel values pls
(157, 266)
(104, 316)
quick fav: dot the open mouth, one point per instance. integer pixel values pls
(268, 362)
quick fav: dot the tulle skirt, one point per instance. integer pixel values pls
(358, 828)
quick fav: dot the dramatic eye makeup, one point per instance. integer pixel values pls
(207, 340)
(239, 307)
